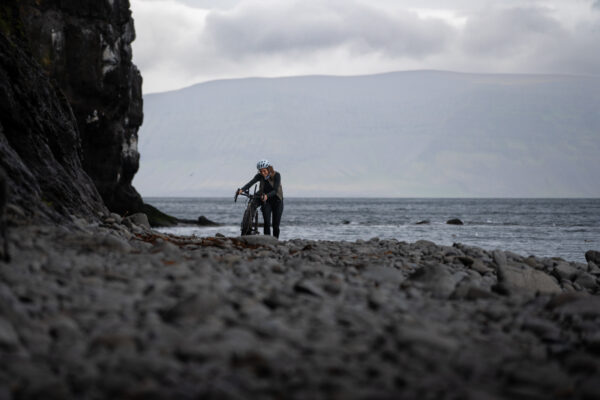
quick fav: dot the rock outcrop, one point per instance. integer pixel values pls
(40, 146)
(82, 53)
(85, 47)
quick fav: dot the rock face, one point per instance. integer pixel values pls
(40, 147)
(85, 49)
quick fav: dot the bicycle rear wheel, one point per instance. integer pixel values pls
(247, 221)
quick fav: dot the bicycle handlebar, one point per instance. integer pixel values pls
(245, 193)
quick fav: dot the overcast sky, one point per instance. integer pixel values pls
(183, 42)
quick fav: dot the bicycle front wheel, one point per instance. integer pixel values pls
(247, 222)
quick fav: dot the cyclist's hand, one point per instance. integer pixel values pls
(264, 198)
(239, 191)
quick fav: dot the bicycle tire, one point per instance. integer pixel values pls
(246, 227)
(255, 223)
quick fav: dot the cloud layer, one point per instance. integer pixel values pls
(183, 42)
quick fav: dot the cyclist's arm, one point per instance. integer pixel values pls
(252, 182)
(276, 183)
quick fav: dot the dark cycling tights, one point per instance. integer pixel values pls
(274, 206)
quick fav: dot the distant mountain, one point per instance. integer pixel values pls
(405, 134)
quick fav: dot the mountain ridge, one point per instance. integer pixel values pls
(454, 134)
(441, 71)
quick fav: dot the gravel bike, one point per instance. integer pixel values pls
(249, 224)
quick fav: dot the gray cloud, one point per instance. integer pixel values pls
(179, 45)
(504, 32)
(210, 4)
(532, 40)
(305, 26)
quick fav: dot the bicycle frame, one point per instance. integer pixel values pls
(249, 225)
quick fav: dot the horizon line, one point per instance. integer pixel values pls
(389, 197)
(557, 74)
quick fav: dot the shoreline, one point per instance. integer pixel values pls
(563, 228)
(119, 310)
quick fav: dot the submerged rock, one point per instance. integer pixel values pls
(203, 221)
(454, 221)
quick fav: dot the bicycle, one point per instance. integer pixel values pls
(249, 224)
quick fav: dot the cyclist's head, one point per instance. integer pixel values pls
(263, 164)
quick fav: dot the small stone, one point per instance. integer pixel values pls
(541, 327)
(499, 258)
(465, 260)
(565, 271)
(586, 281)
(593, 268)
(593, 256)
(139, 219)
(427, 338)
(436, 279)
(231, 258)
(593, 341)
(8, 335)
(480, 267)
(113, 242)
(533, 262)
(587, 306)
(307, 287)
(383, 274)
(277, 268)
(476, 293)
(259, 240)
(118, 219)
(375, 299)
(565, 298)
(195, 308)
(167, 248)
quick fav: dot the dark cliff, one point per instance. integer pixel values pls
(39, 143)
(71, 104)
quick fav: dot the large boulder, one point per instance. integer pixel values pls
(525, 280)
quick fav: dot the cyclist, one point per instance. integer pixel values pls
(271, 195)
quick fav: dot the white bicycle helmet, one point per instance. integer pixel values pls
(263, 164)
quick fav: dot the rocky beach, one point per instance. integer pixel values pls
(95, 304)
(114, 309)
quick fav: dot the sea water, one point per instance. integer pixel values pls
(564, 228)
